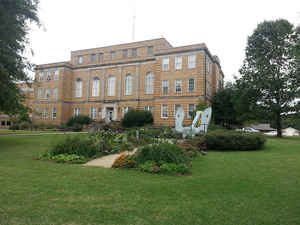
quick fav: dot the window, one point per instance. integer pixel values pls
(165, 64)
(178, 84)
(111, 86)
(93, 58)
(176, 107)
(76, 111)
(208, 88)
(134, 52)
(150, 83)
(79, 59)
(95, 89)
(191, 85)
(40, 93)
(41, 76)
(56, 75)
(165, 86)
(47, 93)
(78, 88)
(93, 113)
(54, 114)
(125, 110)
(8, 123)
(124, 53)
(191, 61)
(101, 57)
(208, 65)
(113, 55)
(128, 84)
(55, 93)
(191, 109)
(178, 62)
(48, 76)
(37, 114)
(150, 50)
(149, 108)
(45, 113)
(164, 111)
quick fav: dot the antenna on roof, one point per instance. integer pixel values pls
(133, 22)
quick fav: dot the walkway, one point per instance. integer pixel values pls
(107, 161)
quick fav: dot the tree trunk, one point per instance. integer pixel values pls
(278, 124)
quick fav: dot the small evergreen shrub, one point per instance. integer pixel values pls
(77, 145)
(233, 141)
(137, 118)
(80, 119)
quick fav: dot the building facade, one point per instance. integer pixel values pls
(106, 82)
(5, 120)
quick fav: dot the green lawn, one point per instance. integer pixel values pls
(225, 188)
(6, 131)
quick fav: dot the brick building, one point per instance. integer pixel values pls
(107, 81)
(6, 120)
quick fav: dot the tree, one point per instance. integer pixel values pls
(15, 18)
(223, 106)
(271, 68)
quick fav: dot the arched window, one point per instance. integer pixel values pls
(111, 86)
(128, 84)
(78, 88)
(96, 84)
(149, 83)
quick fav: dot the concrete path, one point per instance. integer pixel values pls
(107, 161)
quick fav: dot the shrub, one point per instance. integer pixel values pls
(162, 153)
(65, 158)
(172, 168)
(125, 161)
(233, 141)
(108, 142)
(80, 119)
(77, 145)
(137, 118)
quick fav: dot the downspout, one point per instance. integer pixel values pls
(205, 69)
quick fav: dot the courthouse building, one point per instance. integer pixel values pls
(106, 82)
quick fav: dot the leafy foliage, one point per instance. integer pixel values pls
(77, 145)
(233, 141)
(271, 69)
(15, 17)
(162, 153)
(80, 119)
(137, 118)
(64, 158)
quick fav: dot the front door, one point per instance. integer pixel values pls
(110, 113)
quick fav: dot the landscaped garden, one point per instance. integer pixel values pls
(232, 187)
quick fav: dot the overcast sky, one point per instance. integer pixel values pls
(222, 25)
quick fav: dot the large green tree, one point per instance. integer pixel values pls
(15, 19)
(271, 68)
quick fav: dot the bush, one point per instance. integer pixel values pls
(77, 145)
(233, 141)
(108, 142)
(125, 161)
(80, 119)
(137, 118)
(162, 153)
(65, 158)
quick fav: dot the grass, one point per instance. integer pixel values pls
(227, 188)
(7, 131)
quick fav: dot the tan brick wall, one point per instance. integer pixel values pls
(119, 68)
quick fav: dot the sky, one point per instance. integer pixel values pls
(222, 25)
